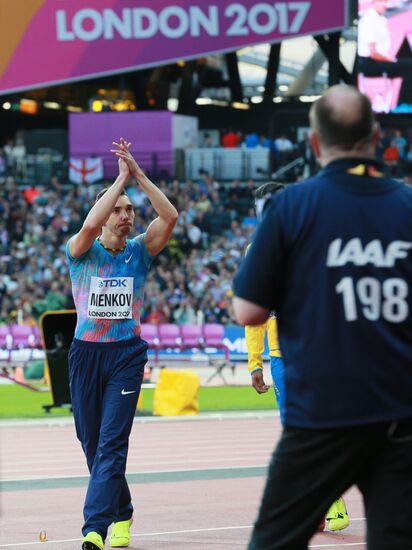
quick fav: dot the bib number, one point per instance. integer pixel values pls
(110, 298)
(385, 299)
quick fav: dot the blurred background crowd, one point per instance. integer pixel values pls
(190, 282)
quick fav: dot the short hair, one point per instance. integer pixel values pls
(334, 130)
(103, 191)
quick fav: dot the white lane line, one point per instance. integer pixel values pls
(186, 531)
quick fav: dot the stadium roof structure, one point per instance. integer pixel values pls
(80, 55)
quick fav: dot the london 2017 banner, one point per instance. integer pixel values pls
(52, 41)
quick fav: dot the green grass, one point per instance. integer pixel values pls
(19, 402)
(230, 398)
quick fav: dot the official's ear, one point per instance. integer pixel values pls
(314, 142)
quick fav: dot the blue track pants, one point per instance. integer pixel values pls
(105, 382)
(278, 376)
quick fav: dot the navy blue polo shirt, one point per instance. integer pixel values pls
(333, 258)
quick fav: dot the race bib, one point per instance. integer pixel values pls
(110, 298)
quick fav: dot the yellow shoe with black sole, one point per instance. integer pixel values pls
(337, 516)
(93, 541)
(120, 537)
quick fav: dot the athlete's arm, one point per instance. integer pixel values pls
(99, 214)
(159, 231)
(255, 344)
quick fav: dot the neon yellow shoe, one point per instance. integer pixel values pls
(120, 537)
(337, 516)
(93, 541)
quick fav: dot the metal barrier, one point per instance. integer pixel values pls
(228, 164)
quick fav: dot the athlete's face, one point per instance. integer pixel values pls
(121, 219)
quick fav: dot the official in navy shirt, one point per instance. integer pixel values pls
(333, 258)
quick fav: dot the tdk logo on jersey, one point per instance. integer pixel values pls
(112, 283)
(340, 254)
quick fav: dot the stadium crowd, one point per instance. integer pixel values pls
(190, 282)
(394, 146)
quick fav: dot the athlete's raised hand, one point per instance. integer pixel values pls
(125, 156)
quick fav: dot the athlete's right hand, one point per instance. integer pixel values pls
(258, 383)
(124, 154)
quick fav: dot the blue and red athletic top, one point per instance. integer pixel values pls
(108, 291)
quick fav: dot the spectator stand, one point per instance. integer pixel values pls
(19, 345)
(228, 163)
(213, 335)
(189, 282)
(194, 343)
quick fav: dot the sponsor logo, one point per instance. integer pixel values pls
(112, 283)
(124, 392)
(111, 298)
(128, 259)
(374, 253)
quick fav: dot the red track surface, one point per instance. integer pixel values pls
(181, 514)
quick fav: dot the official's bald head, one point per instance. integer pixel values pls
(343, 119)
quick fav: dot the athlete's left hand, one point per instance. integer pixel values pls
(258, 382)
(124, 154)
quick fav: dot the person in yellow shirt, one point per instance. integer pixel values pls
(337, 515)
(255, 343)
